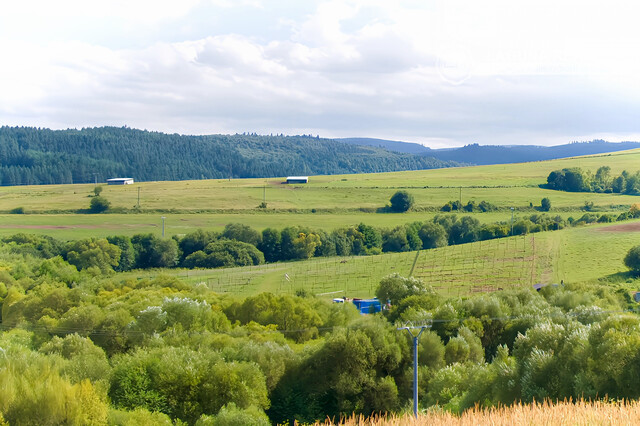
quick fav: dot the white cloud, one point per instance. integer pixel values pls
(449, 72)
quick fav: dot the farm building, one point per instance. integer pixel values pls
(120, 181)
(298, 179)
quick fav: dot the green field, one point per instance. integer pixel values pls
(77, 226)
(570, 255)
(326, 202)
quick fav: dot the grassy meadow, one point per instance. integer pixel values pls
(569, 255)
(509, 185)
(326, 202)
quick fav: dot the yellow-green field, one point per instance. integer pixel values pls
(546, 413)
(326, 202)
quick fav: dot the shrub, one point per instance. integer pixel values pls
(545, 204)
(401, 201)
(17, 210)
(632, 259)
(99, 204)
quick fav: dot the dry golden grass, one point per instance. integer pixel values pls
(547, 413)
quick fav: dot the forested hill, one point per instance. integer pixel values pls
(43, 156)
(499, 154)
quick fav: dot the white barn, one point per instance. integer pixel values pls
(298, 179)
(120, 181)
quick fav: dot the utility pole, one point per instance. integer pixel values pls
(415, 338)
(512, 221)
(138, 197)
(163, 218)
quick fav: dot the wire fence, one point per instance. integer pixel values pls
(459, 270)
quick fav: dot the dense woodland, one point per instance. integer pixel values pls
(574, 179)
(80, 347)
(31, 156)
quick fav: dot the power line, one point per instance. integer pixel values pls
(71, 330)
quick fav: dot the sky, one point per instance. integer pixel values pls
(442, 73)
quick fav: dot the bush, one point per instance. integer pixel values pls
(17, 210)
(394, 288)
(401, 201)
(99, 204)
(545, 204)
(632, 259)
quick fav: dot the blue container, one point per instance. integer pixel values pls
(368, 306)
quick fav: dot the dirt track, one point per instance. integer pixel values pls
(623, 227)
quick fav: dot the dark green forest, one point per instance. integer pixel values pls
(32, 156)
(574, 179)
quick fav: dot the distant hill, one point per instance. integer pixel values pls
(406, 147)
(495, 154)
(42, 156)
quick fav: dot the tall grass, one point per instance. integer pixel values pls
(546, 413)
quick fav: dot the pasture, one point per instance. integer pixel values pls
(570, 255)
(326, 202)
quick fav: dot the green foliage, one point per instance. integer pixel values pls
(34, 392)
(184, 383)
(632, 259)
(97, 190)
(154, 252)
(401, 201)
(293, 316)
(86, 360)
(465, 230)
(570, 179)
(545, 204)
(127, 252)
(196, 241)
(99, 204)
(394, 288)
(224, 253)
(139, 416)
(240, 232)
(576, 180)
(97, 253)
(231, 415)
(35, 245)
(352, 371)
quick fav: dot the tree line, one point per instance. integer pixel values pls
(81, 348)
(240, 245)
(574, 179)
(41, 156)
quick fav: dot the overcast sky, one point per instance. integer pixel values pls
(442, 73)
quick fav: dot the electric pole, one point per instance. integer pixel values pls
(415, 338)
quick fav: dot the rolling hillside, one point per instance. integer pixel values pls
(494, 154)
(41, 156)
